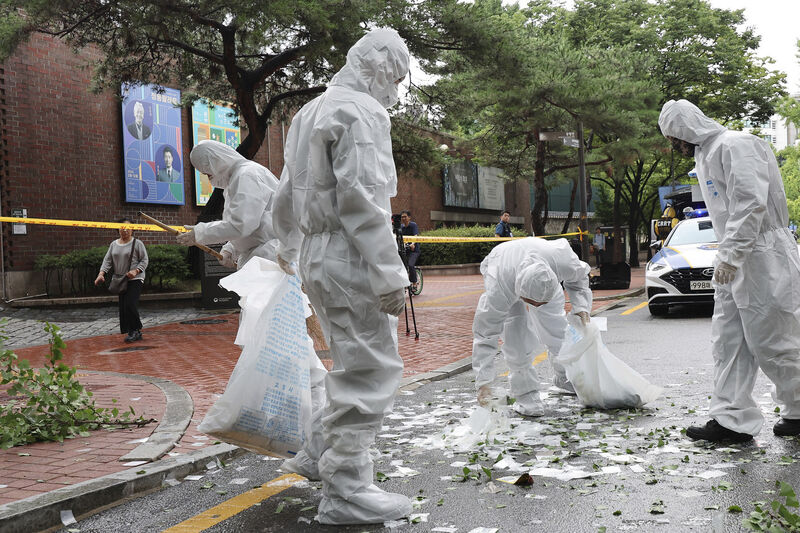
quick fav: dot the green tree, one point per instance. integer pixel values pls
(789, 159)
(789, 106)
(517, 82)
(696, 52)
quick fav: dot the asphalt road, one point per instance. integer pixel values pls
(642, 473)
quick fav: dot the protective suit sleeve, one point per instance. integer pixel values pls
(746, 186)
(231, 249)
(360, 185)
(245, 201)
(284, 222)
(574, 273)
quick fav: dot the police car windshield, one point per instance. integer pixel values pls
(692, 232)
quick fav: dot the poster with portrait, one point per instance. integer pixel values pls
(460, 184)
(216, 122)
(491, 188)
(151, 139)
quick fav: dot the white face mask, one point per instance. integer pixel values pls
(390, 96)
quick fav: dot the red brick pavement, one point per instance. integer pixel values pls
(200, 358)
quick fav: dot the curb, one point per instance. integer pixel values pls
(447, 371)
(43, 511)
(176, 418)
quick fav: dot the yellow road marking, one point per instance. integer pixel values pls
(235, 505)
(538, 359)
(632, 309)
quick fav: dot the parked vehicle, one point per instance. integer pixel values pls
(681, 270)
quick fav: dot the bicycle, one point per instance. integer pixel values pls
(416, 288)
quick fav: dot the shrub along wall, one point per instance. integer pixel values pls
(457, 253)
(74, 272)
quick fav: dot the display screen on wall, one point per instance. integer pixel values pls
(491, 188)
(460, 184)
(215, 122)
(153, 151)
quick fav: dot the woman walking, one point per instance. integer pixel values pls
(127, 260)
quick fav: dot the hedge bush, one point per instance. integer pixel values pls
(457, 253)
(169, 263)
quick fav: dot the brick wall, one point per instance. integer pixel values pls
(61, 158)
(61, 155)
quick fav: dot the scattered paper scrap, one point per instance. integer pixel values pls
(135, 463)
(239, 481)
(67, 518)
(710, 474)
(194, 477)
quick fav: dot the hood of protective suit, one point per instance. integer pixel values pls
(217, 160)
(537, 282)
(684, 120)
(373, 65)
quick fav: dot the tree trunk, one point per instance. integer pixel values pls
(565, 227)
(617, 252)
(633, 216)
(539, 190)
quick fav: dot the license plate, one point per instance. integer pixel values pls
(699, 285)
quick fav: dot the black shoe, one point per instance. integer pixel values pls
(137, 335)
(131, 336)
(713, 432)
(787, 427)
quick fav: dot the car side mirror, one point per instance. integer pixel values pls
(655, 245)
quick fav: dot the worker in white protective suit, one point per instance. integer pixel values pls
(332, 215)
(518, 274)
(246, 225)
(756, 322)
(249, 188)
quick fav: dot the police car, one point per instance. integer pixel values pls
(681, 270)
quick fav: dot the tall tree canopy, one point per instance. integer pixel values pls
(684, 48)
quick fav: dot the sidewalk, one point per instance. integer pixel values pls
(174, 375)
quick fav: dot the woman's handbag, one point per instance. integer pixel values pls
(119, 282)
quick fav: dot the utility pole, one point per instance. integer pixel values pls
(584, 223)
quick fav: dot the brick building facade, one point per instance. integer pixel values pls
(61, 158)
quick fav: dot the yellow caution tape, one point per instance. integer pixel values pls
(87, 224)
(422, 239)
(153, 227)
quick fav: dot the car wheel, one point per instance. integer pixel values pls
(658, 309)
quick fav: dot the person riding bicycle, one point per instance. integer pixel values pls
(413, 250)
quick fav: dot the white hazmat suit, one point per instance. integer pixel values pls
(756, 320)
(332, 214)
(529, 268)
(249, 189)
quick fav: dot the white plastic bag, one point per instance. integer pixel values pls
(599, 378)
(266, 405)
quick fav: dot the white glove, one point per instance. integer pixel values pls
(724, 273)
(485, 395)
(584, 316)
(227, 259)
(188, 238)
(393, 302)
(285, 266)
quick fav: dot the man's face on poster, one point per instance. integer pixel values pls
(167, 159)
(138, 114)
